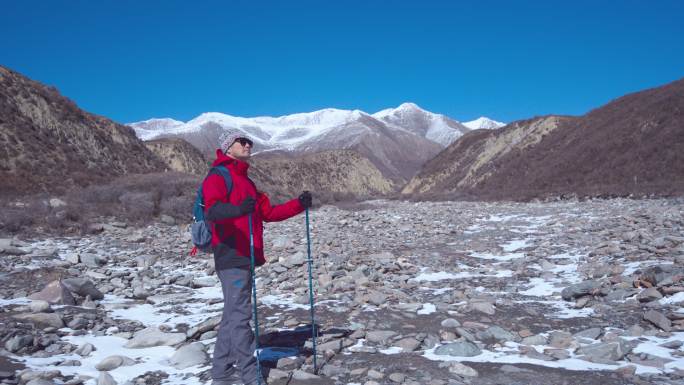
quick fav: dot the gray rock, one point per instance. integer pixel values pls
(72, 258)
(648, 295)
(605, 351)
(83, 287)
(93, 260)
(204, 282)
(483, 307)
(296, 259)
(302, 375)
(580, 289)
(397, 377)
(42, 319)
(106, 379)
(29, 375)
(208, 335)
(376, 298)
(189, 355)
(376, 374)
(450, 323)
(458, 349)
(150, 337)
(408, 344)
(534, 340)
(9, 246)
(167, 219)
(85, 349)
(661, 274)
(54, 293)
(40, 381)
(334, 345)
(204, 326)
(466, 334)
(380, 336)
(78, 323)
(658, 319)
(146, 261)
(18, 342)
(462, 370)
(502, 335)
(592, 333)
(113, 362)
(277, 374)
(560, 340)
(139, 292)
(39, 306)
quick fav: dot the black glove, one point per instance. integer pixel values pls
(247, 206)
(305, 199)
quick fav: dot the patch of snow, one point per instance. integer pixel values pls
(391, 350)
(427, 308)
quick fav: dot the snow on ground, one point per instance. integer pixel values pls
(148, 360)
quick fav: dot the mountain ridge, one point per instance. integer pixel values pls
(633, 145)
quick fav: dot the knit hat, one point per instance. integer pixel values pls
(230, 139)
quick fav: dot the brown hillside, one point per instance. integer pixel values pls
(632, 145)
(179, 155)
(332, 175)
(47, 142)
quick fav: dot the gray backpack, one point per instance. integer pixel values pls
(201, 229)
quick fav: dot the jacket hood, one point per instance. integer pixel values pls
(227, 161)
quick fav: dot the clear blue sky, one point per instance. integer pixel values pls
(133, 60)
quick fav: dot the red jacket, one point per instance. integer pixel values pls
(232, 234)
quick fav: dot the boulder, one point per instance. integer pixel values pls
(83, 287)
(458, 349)
(42, 319)
(648, 295)
(580, 289)
(380, 336)
(152, 336)
(450, 323)
(605, 351)
(39, 306)
(106, 379)
(408, 344)
(85, 349)
(462, 370)
(658, 319)
(92, 260)
(483, 307)
(189, 355)
(55, 293)
(16, 343)
(113, 362)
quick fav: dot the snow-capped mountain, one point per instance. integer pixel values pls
(285, 132)
(151, 128)
(436, 127)
(484, 123)
(383, 137)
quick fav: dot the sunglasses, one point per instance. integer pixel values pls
(244, 142)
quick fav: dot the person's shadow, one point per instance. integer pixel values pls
(290, 343)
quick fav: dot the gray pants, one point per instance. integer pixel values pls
(235, 340)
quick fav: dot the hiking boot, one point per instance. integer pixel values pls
(232, 379)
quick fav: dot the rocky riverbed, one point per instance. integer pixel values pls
(407, 293)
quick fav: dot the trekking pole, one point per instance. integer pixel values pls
(311, 296)
(254, 299)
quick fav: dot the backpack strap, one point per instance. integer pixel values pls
(227, 179)
(198, 208)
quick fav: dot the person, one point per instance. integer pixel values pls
(228, 215)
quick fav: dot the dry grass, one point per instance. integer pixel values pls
(134, 199)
